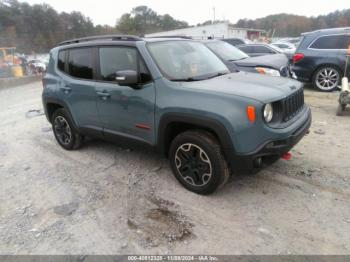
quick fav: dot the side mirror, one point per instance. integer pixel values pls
(127, 77)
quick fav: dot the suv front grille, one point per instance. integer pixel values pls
(292, 105)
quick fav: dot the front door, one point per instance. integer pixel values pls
(124, 110)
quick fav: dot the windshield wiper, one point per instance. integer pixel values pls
(233, 60)
(192, 79)
(217, 74)
(188, 79)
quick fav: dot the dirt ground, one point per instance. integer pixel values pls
(104, 199)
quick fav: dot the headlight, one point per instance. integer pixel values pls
(268, 113)
(267, 71)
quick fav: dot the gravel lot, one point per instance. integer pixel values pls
(104, 199)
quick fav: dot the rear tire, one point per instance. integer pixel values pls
(197, 162)
(64, 130)
(327, 78)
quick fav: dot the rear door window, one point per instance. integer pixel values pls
(262, 50)
(80, 63)
(331, 42)
(246, 49)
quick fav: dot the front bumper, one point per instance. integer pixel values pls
(268, 152)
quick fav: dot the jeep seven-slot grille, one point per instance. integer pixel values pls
(292, 105)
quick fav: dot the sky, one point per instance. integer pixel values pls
(193, 12)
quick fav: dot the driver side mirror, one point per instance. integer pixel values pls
(127, 77)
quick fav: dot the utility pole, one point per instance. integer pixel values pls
(214, 14)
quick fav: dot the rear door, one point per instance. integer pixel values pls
(126, 111)
(331, 49)
(77, 87)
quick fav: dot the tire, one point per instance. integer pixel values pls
(197, 162)
(65, 132)
(327, 78)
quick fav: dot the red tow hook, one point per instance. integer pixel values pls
(287, 156)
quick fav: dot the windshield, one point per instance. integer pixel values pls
(226, 51)
(186, 60)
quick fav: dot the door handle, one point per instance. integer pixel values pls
(103, 94)
(66, 89)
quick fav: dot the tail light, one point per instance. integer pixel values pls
(298, 57)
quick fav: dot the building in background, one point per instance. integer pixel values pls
(219, 30)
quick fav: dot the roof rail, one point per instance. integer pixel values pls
(171, 36)
(101, 37)
(328, 29)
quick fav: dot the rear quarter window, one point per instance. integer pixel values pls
(331, 42)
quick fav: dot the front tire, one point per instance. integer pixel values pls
(65, 132)
(327, 78)
(197, 162)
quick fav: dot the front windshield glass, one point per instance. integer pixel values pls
(186, 60)
(226, 51)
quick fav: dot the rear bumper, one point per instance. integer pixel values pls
(268, 152)
(302, 73)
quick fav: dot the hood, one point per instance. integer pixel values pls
(250, 85)
(273, 61)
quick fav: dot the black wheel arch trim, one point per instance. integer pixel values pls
(50, 100)
(201, 121)
(318, 67)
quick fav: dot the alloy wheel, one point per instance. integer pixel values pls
(327, 79)
(62, 130)
(193, 164)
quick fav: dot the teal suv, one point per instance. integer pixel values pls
(176, 96)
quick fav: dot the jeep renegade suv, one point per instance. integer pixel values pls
(177, 96)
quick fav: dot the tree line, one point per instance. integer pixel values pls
(287, 25)
(39, 27)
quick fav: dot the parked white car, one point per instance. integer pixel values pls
(286, 47)
(37, 65)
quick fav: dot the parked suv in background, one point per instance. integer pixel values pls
(320, 57)
(235, 59)
(176, 96)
